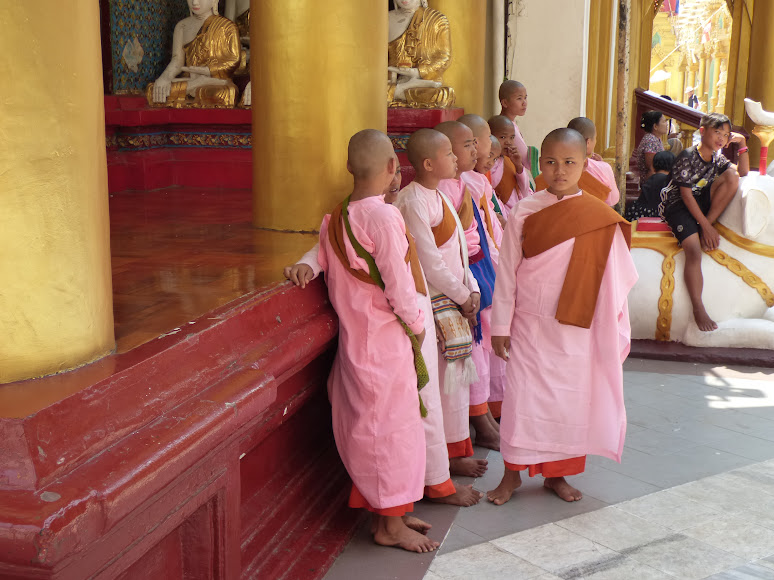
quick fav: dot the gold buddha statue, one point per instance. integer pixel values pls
(418, 54)
(205, 48)
(238, 11)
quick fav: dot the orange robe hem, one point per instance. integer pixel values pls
(497, 408)
(460, 448)
(356, 500)
(561, 468)
(444, 489)
(478, 410)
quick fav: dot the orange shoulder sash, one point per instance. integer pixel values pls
(466, 210)
(336, 238)
(508, 183)
(592, 223)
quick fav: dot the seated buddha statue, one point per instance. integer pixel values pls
(239, 12)
(418, 54)
(206, 50)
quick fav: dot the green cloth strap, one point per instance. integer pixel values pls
(423, 377)
(496, 204)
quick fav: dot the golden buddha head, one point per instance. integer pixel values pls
(202, 7)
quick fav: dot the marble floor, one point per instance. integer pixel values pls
(692, 498)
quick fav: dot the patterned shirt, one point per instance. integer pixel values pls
(690, 170)
(648, 144)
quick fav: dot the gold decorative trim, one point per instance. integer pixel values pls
(744, 243)
(665, 244)
(748, 277)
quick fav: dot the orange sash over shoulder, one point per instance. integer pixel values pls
(592, 223)
(466, 210)
(336, 236)
(446, 229)
(587, 183)
(508, 182)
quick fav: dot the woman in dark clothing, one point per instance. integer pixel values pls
(647, 204)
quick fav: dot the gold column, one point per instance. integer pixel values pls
(739, 58)
(702, 75)
(713, 88)
(761, 80)
(56, 309)
(467, 20)
(319, 75)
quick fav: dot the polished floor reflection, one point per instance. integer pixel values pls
(178, 253)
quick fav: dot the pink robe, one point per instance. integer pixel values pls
(497, 174)
(602, 171)
(564, 384)
(422, 209)
(489, 367)
(523, 177)
(437, 457)
(373, 385)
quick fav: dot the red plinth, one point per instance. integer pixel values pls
(203, 454)
(151, 148)
(401, 123)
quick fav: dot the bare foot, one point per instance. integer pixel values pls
(392, 531)
(494, 422)
(467, 466)
(416, 524)
(563, 489)
(703, 321)
(465, 496)
(502, 493)
(486, 435)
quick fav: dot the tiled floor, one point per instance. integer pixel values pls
(692, 498)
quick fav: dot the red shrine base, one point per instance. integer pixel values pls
(149, 148)
(401, 123)
(205, 452)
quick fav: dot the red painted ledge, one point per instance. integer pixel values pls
(194, 455)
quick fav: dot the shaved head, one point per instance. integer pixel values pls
(369, 152)
(424, 144)
(476, 124)
(495, 142)
(500, 123)
(508, 88)
(453, 130)
(565, 137)
(584, 126)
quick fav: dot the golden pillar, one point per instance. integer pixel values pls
(761, 80)
(467, 20)
(56, 310)
(702, 85)
(319, 75)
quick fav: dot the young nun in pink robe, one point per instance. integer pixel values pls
(513, 103)
(509, 184)
(560, 317)
(439, 487)
(466, 191)
(373, 383)
(439, 248)
(597, 168)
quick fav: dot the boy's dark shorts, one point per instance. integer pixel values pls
(680, 219)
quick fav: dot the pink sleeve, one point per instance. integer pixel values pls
(504, 300)
(390, 248)
(471, 235)
(436, 271)
(311, 260)
(614, 196)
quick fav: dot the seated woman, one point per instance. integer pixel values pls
(206, 49)
(650, 190)
(656, 125)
